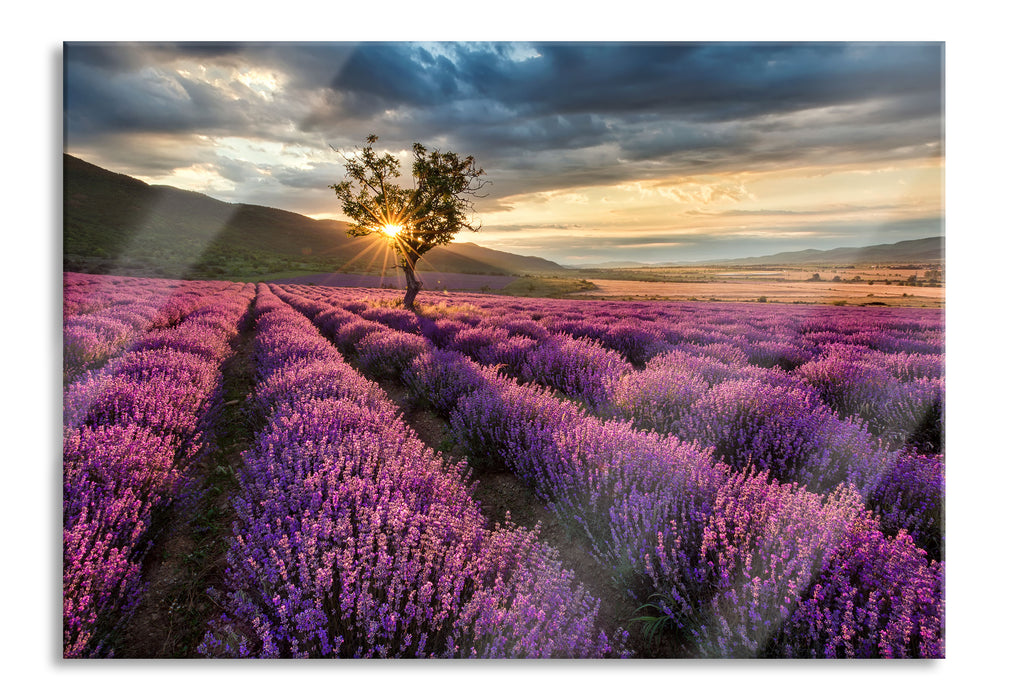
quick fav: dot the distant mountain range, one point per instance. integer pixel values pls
(919, 250)
(114, 223)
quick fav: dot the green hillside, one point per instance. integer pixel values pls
(113, 223)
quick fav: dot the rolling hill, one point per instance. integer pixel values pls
(114, 223)
(920, 250)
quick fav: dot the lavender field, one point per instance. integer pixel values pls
(744, 480)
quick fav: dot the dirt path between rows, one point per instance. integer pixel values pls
(188, 557)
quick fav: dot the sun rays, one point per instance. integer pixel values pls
(391, 230)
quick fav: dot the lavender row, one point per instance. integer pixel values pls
(580, 369)
(687, 531)
(904, 412)
(923, 507)
(752, 417)
(120, 314)
(756, 330)
(899, 397)
(354, 539)
(772, 335)
(904, 403)
(859, 368)
(84, 293)
(787, 425)
(736, 564)
(795, 427)
(130, 430)
(907, 344)
(673, 385)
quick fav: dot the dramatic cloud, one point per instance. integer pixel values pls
(707, 125)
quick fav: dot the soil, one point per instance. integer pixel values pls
(156, 628)
(189, 554)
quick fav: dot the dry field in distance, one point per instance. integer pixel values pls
(835, 285)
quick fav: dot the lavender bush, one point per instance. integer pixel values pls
(753, 538)
(130, 429)
(354, 539)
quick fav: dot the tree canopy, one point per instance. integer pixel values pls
(413, 219)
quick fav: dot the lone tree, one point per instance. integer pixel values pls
(413, 219)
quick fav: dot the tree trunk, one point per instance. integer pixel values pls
(413, 284)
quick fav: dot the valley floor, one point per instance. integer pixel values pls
(850, 293)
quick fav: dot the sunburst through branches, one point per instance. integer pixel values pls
(411, 220)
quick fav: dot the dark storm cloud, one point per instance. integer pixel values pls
(411, 77)
(111, 57)
(536, 116)
(130, 94)
(663, 108)
(128, 56)
(639, 83)
(117, 88)
(702, 82)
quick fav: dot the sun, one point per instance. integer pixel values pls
(391, 230)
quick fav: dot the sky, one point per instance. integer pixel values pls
(596, 151)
